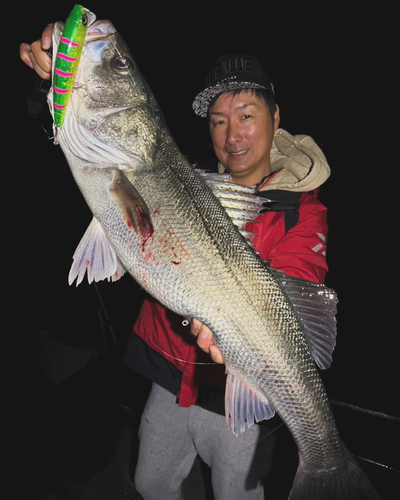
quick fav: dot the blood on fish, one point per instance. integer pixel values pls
(145, 240)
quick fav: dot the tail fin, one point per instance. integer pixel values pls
(346, 483)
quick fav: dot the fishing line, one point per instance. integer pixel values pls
(373, 413)
(379, 464)
(259, 441)
(178, 359)
(170, 355)
(364, 410)
(335, 403)
(373, 462)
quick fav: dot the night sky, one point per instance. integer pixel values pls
(331, 72)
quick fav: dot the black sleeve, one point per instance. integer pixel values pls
(37, 103)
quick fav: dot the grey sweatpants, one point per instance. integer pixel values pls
(171, 437)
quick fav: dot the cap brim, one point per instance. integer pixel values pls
(202, 101)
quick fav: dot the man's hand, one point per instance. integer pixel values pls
(205, 340)
(35, 55)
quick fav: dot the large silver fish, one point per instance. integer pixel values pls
(159, 219)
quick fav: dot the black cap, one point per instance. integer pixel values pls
(231, 72)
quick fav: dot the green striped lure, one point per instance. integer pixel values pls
(67, 59)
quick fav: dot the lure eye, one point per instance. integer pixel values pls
(122, 65)
(84, 19)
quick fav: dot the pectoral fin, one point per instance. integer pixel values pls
(95, 255)
(131, 205)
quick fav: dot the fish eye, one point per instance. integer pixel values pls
(122, 65)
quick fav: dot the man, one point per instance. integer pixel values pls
(184, 415)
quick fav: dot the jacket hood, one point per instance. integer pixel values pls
(299, 163)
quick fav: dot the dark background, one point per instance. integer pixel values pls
(333, 71)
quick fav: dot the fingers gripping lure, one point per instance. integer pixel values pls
(67, 60)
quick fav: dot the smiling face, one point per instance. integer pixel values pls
(242, 131)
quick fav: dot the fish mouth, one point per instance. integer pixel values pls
(99, 30)
(98, 36)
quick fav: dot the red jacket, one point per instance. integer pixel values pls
(298, 252)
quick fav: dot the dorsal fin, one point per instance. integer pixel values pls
(241, 203)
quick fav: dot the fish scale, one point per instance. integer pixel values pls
(168, 229)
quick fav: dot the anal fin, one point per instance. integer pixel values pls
(243, 406)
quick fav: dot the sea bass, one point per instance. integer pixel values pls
(165, 223)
